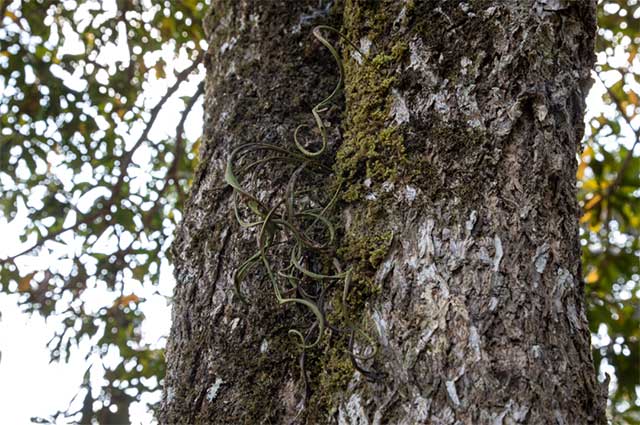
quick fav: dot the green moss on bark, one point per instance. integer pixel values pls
(372, 154)
(332, 370)
(372, 148)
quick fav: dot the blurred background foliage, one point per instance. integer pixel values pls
(609, 193)
(84, 85)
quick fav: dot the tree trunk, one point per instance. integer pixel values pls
(455, 148)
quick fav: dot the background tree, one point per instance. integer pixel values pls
(76, 153)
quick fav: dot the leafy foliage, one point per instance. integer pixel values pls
(81, 155)
(609, 181)
(96, 184)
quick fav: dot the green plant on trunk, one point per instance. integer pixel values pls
(295, 234)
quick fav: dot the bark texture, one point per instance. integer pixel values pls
(457, 152)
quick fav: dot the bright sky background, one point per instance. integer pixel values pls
(29, 384)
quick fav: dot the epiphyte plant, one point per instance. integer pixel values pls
(296, 237)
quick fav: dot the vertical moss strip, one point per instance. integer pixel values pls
(373, 146)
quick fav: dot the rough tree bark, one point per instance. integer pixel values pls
(456, 145)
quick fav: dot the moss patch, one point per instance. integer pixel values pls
(373, 147)
(331, 370)
(372, 150)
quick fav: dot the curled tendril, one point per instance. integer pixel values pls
(296, 220)
(324, 104)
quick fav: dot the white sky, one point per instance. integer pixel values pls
(29, 384)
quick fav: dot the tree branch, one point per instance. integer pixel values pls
(172, 173)
(85, 220)
(627, 161)
(125, 160)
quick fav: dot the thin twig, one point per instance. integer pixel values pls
(172, 173)
(125, 160)
(627, 161)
